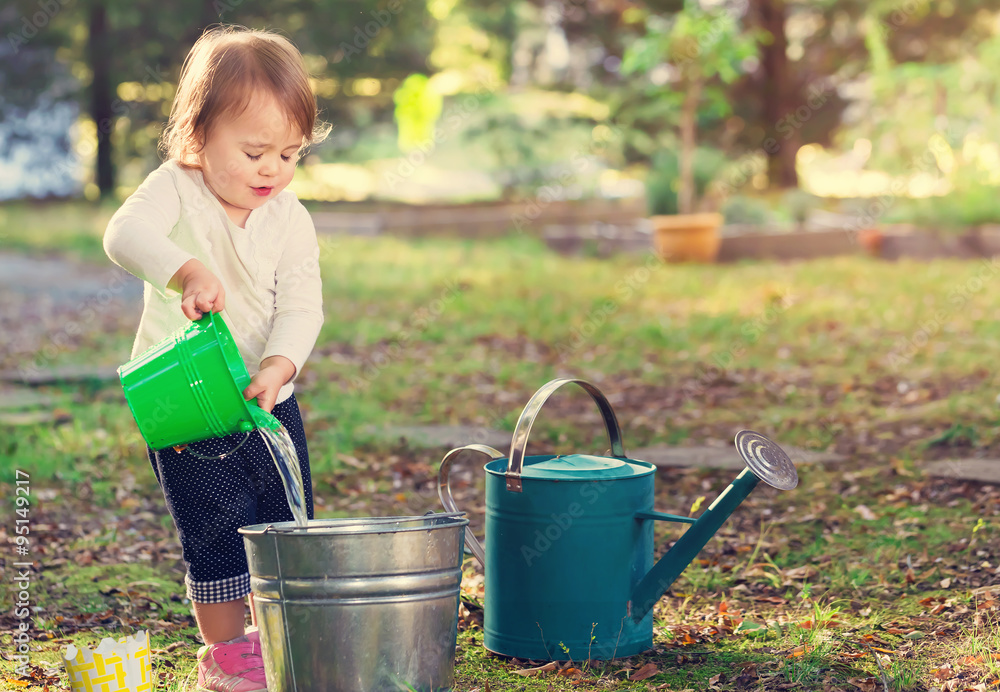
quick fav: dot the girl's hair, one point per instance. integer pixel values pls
(226, 67)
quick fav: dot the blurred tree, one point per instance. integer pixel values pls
(811, 52)
(120, 59)
(819, 54)
(778, 92)
(700, 52)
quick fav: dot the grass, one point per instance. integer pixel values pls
(889, 365)
(68, 228)
(442, 331)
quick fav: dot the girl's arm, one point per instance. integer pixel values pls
(137, 235)
(299, 294)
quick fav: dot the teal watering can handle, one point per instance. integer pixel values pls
(530, 412)
(444, 492)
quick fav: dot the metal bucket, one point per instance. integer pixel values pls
(351, 605)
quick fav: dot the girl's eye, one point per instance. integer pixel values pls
(286, 158)
(253, 158)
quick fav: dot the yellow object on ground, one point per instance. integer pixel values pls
(122, 666)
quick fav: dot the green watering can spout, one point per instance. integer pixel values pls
(263, 419)
(766, 462)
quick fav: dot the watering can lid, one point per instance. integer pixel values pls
(583, 467)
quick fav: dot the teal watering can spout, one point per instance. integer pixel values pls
(766, 462)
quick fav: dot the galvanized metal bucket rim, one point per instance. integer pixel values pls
(359, 525)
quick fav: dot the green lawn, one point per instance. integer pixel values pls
(889, 365)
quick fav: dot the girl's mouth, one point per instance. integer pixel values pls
(262, 191)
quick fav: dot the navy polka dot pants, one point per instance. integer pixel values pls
(210, 499)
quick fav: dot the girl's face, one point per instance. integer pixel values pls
(249, 159)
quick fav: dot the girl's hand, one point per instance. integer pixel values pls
(275, 372)
(200, 290)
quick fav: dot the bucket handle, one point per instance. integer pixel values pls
(218, 457)
(444, 492)
(530, 412)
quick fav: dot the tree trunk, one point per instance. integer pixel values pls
(780, 97)
(689, 122)
(99, 55)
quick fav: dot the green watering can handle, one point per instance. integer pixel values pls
(444, 492)
(530, 412)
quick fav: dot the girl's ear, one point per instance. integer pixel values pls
(194, 143)
(197, 140)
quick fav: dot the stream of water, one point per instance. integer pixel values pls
(282, 449)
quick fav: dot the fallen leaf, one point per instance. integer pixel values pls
(804, 572)
(777, 600)
(530, 672)
(647, 671)
(169, 648)
(863, 684)
(865, 513)
(942, 673)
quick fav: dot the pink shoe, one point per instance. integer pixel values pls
(233, 666)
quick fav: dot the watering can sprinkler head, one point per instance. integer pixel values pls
(766, 460)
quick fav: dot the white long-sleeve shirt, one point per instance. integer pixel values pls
(269, 269)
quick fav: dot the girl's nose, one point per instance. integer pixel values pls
(267, 166)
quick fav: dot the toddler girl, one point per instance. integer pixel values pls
(214, 229)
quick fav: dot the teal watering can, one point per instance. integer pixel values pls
(569, 540)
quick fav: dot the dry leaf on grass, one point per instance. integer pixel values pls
(865, 513)
(647, 671)
(529, 672)
(864, 684)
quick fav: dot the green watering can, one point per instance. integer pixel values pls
(569, 540)
(189, 387)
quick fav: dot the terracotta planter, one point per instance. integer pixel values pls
(871, 240)
(687, 237)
